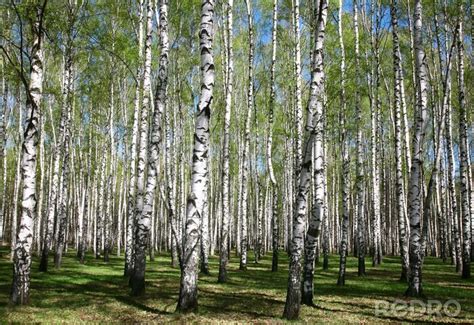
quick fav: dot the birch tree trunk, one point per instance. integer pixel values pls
(315, 104)
(375, 136)
(415, 190)
(224, 250)
(199, 176)
(100, 207)
(110, 196)
(86, 207)
(274, 189)
(361, 223)
(128, 267)
(142, 224)
(20, 292)
(4, 115)
(54, 190)
(345, 160)
(67, 88)
(144, 220)
(400, 190)
(246, 150)
(63, 200)
(325, 225)
(298, 104)
(318, 165)
(39, 218)
(453, 211)
(463, 156)
(16, 189)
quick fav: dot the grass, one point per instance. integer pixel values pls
(98, 292)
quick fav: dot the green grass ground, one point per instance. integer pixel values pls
(98, 292)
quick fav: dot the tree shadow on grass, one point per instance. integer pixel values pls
(255, 293)
(134, 302)
(250, 304)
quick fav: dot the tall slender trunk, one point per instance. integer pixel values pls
(315, 104)
(100, 207)
(297, 115)
(325, 225)
(318, 164)
(224, 250)
(199, 176)
(144, 221)
(400, 190)
(39, 217)
(375, 137)
(63, 201)
(345, 161)
(16, 189)
(471, 179)
(137, 281)
(361, 244)
(86, 206)
(4, 115)
(415, 189)
(438, 137)
(53, 200)
(128, 267)
(274, 186)
(298, 101)
(463, 156)
(20, 292)
(453, 211)
(246, 150)
(110, 198)
(174, 216)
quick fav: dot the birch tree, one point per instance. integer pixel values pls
(361, 244)
(246, 150)
(224, 250)
(318, 159)
(67, 107)
(415, 190)
(128, 268)
(20, 292)
(274, 185)
(400, 190)
(345, 160)
(463, 153)
(188, 301)
(142, 222)
(293, 296)
(4, 117)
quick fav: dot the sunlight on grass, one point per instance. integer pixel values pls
(97, 291)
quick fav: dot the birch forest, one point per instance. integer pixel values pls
(236, 161)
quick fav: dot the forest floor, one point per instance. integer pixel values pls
(98, 292)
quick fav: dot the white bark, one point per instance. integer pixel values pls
(415, 188)
(4, 113)
(144, 221)
(128, 268)
(360, 217)
(22, 255)
(62, 210)
(199, 176)
(345, 161)
(398, 99)
(463, 156)
(224, 250)
(274, 188)
(315, 108)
